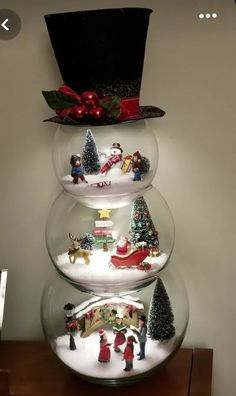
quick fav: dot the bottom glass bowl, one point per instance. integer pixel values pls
(115, 340)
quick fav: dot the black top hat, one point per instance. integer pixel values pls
(102, 51)
(117, 145)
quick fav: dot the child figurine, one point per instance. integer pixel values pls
(136, 163)
(77, 171)
(128, 354)
(142, 336)
(105, 353)
(119, 329)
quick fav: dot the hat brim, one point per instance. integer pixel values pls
(145, 113)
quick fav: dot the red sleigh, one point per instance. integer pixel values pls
(133, 259)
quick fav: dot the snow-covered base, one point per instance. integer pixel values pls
(84, 360)
(120, 183)
(101, 273)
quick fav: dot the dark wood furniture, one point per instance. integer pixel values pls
(34, 370)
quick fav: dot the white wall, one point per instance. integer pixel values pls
(190, 72)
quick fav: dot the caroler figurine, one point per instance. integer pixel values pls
(141, 333)
(128, 354)
(105, 353)
(119, 329)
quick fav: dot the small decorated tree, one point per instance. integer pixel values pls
(90, 158)
(161, 317)
(87, 241)
(141, 227)
(145, 165)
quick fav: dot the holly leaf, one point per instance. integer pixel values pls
(111, 105)
(58, 100)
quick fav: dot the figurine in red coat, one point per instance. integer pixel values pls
(105, 353)
(122, 245)
(119, 329)
(128, 355)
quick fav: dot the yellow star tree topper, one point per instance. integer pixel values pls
(104, 213)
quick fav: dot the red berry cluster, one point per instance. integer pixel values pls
(88, 105)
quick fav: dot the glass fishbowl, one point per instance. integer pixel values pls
(115, 340)
(110, 249)
(105, 161)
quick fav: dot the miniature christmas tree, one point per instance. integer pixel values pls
(90, 159)
(87, 241)
(142, 228)
(145, 165)
(161, 318)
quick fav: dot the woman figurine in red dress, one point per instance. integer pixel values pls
(105, 353)
(128, 355)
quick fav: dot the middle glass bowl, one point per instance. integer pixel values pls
(110, 250)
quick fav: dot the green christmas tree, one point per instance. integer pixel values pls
(87, 241)
(90, 158)
(141, 227)
(161, 317)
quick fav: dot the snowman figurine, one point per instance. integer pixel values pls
(114, 161)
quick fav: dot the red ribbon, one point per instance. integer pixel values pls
(129, 108)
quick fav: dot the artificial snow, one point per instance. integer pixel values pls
(120, 183)
(101, 272)
(84, 359)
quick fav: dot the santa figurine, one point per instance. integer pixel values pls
(105, 353)
(136, 164)
(115, 158)
(122, 245)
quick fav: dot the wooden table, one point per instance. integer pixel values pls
(36, 371)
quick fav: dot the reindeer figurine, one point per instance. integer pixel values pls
(75, 251)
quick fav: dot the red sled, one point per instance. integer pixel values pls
(131, 260)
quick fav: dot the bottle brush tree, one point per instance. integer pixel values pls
(90, 158)
(161, 318)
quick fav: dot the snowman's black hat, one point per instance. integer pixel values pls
(117, 146)
(103, 51)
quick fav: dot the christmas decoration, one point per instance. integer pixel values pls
(90, 159)
(77, 171)
(72, 106)
(75, 251)
(102, 230)
(142, 229)
(141, 333)
(105, 353)
(161, 318)
(120, 255)
(119, 329)
(87, 241)
(115, 157)
(128, 355)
